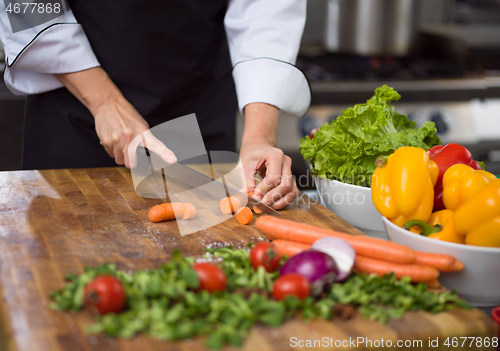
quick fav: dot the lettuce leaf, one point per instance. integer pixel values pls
(346, 148)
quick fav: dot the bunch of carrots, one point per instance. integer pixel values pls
(373, 255)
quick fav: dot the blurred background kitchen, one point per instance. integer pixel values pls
(442, 56)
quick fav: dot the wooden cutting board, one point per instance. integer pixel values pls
(55, 222)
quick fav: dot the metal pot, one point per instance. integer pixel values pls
(371, 27)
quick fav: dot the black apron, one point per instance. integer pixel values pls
(168, 57)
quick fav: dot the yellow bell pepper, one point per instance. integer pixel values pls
(440, 226)
(437, 218)
(449, 233)
(479, 217)
(461, 183)
(440, 217)
(403, 186)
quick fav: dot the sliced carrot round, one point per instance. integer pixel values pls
(244, 215)
(189, 211)
(178, 209)
(256, 209)
(229, 205)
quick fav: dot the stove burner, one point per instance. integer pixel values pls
(332, 67)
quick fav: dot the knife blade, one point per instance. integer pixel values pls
(196, 179)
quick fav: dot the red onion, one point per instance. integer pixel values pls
(341, 251)
(317, 267)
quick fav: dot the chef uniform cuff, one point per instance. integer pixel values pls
(274, 82)
(59, 48)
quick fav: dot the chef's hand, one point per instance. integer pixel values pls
(258, 154)
(118, 124)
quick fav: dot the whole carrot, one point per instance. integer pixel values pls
(368, 265)
(444, 263)
(289, 248)
(371, 247)
(417, 272)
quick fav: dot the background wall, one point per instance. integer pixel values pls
(331, 96)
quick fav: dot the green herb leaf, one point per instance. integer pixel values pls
(166, 303)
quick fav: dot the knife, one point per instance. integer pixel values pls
(157, 182)
(196, 179)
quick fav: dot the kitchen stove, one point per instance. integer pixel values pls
(464, 102)
(335, 67)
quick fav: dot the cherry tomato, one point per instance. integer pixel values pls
(311, 134)
(291, 284)
(265, 254)
(106, 293)
(211, 277)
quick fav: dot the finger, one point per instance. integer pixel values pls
(118, 152)
(246, 173)
(121, 142)
(132, 151)
(286, 185)
(126, 158)
(159, 148)
(107, 145)
(274, 166)
(285, 200)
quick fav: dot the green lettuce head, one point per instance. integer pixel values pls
(346, 148)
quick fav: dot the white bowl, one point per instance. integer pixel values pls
(352, 203)
(478, 283)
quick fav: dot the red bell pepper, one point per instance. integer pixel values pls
(446, 156)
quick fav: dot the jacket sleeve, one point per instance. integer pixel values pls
(264, 38)
(34, 54)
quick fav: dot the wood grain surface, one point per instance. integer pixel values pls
(56, 222)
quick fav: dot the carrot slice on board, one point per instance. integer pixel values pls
(178, 208)
(189, 211)
(256, 209)
(244, 215)
(229, 205)
(166, 212)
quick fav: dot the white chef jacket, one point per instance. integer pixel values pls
(263, 36)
